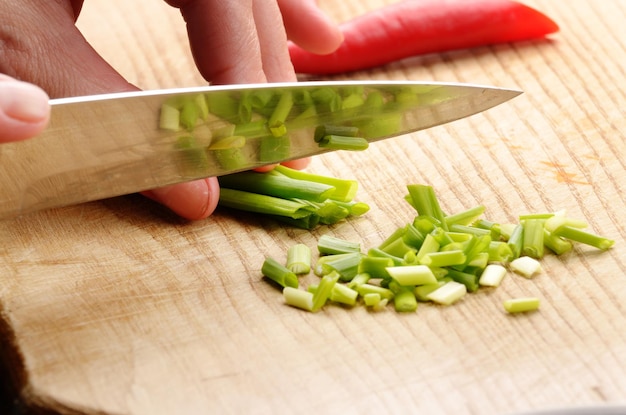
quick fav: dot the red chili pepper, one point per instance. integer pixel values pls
(415, 27)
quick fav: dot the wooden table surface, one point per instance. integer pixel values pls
(118, 307)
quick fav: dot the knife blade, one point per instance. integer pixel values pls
(109, 145)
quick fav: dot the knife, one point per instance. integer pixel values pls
(108, 145)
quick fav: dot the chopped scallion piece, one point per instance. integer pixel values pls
(340, 142)
(412, 275)
(404, 300)
(492, 276)
(584, 237)
(532, 241)
(448, 293)
(526, 266)
(325, 287)
(330, 245)
(278, 273)
(425, 202)
(298, 298)
(299, 259)
(443, 258)
(344, 294)
(520, 305)
(345, 189)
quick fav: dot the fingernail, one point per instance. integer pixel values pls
(23, 101)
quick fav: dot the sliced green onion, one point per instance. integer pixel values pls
(325, 287)
(492, 276)
(526, 266)
(375, 266)
(532, 240)
(516, 240)
(555, 243)
(404, 300)
(359, 279)
(299, 259)
(412, 275)
(466, 217)
(345, 189)
(421, 292)
(346, 265)
(448, 293)
(341, 130)
(559, 220)
(258, 203)
(470, 281)
(340, 142)
(278, 273)
(429, 246)
(298, 298)
(276, 185)
(520, 305)
(330, 245)
(344, 294)
(278, 118)
(169, 118)
(364, 289)
(425, 202)
(584, 237)
(443, 258)
(499, 251)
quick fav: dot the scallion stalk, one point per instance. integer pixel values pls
(330, 245)
(278, 273)
(584, 237)
(299, 259)
(520, 305)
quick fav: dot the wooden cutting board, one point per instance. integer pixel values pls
(118, 307)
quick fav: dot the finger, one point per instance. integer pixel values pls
(192, 200)
(273, 42)
(223, 40)
(24, 109)
(308, 26)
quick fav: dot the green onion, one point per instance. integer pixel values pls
(448, 293)
(299, 259)
(560, 220)
(346, 265)
(470, 281)
(327, 244)
(298, 298)
(375, 266)
(364, 289)
(421, 292)
(492, 276)
(425, 202)
(555, 243)
(258, 203)
(412, 275)
(526, 266)
(429, 246)
(532, 240)
(344, 294)
(278, 273)
(359, 279)
(340, 142)
(277, 185)
(516, 240)
(169, 118)
(443, 258)
(325, 287)
(345, 190)
(520, 305)
(404, 300)
(341, 130)
(277, 120)
(465, 217)
(584, 237)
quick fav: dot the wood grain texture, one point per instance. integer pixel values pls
(118, 307)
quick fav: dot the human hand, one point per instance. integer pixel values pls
(24, 109)
(233, 41)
